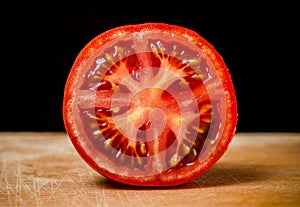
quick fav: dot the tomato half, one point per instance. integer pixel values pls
(150, 104)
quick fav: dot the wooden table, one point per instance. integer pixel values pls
(43, 169)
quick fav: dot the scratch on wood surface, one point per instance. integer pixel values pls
(19, 182)
(234, 178)
(145, 194)
(127, 200)
(139, 200)
(36, 193)
(6, 183)
(161, 197)
(101, 198)
(121, 199)
(14, 187)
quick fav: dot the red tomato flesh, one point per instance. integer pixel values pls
(150, 104)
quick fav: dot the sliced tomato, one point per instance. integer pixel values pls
(150, 104)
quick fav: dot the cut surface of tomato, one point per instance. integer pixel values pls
(150, 104)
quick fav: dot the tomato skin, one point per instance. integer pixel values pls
(175, 176)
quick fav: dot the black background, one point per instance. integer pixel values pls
(259, 44)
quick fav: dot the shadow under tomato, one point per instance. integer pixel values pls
(219, 175)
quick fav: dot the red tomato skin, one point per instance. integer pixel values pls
(177, 176)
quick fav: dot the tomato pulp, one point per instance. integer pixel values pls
(150, 104)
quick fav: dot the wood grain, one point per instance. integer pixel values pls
(43, 169)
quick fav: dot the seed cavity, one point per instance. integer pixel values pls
(205, 108)
(107, 143)
(141, 149)
(193, 61)
(153, 47)
(186, 149)
(97, 132)
(109, 57)
(197, 76)
(116, 109)
(118, 153)
(174, 160)
(199, 130)
(206, 120)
